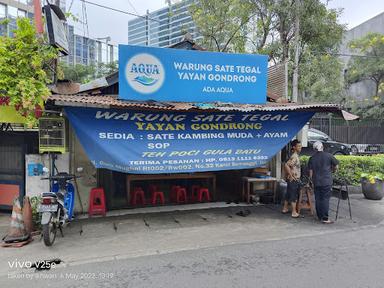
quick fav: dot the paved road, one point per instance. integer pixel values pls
(339, 259)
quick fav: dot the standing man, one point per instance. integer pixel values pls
(321, 165)
(292, 170)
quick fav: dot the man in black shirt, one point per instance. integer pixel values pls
(321, 165)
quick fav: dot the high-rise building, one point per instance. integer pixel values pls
(11, 10)
(82, 50)
(86, 51)
(163, 27)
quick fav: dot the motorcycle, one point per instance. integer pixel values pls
(56, 207)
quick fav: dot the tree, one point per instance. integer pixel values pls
(368, 66)
(268, 26)
(84, 73)
(222, 23)
(24, 66)
(320, 35)
(371, 65)
(321, 78)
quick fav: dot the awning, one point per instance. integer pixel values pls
(111, 101)
(157, 142)
(148, 137)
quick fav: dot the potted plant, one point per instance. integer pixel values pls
(372, 186)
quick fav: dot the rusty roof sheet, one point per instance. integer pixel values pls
(111, 101)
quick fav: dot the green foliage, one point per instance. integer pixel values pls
(320, 37)
(23, 64)
(351, 168)
(321, 78)
(35, 202)
(222, 23)
(369, 68)
(373, 178)
(84, 73)
(268, 26)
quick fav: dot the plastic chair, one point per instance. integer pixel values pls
(204, 193)
(158, 195)
(138, 196)
(181, 195)
(97, 202)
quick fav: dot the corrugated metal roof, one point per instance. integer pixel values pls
(111, 101)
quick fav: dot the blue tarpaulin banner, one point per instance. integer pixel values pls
(154, 142)
(164, 74)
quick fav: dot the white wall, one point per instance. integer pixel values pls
(33, 184)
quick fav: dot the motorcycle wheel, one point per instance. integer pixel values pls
(49, 233)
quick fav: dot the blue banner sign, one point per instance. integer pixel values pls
(153, 142)
(164, 74)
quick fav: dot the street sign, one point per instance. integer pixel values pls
(164, 74)
(56, 31)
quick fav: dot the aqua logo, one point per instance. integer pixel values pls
(145, 73)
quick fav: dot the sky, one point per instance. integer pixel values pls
(103, 23)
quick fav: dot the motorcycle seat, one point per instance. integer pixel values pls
(49, 194)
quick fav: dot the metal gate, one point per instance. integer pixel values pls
(13, 147)
(352, 132)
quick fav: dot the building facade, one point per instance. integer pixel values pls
(163, 27)
(11, 10)
(87, 51)
(362, 90)
(82, 50)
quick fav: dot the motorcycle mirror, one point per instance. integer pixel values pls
(79, 169)
(45, 170)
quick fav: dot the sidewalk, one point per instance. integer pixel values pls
(134, 235)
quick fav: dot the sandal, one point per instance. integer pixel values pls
(328, 222)
(284, 211)
(297, 215)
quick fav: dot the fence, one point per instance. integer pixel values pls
(352, 132)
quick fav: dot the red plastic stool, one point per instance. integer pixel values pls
(181, 195)
(158, 195)
(172, 196)
(97, 202)
(138, 193)
(194, 192)
(204, 192)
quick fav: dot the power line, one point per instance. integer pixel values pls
(85, 17)
(120, 11)
(70, 6)
(344, 54)
(134, 9)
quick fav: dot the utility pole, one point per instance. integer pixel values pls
(295, 80)
(38, 17)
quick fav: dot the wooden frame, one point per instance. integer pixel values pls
(247, 184)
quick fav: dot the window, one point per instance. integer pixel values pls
(12, 12)
(103, 53)
(3, 9)
(316, 135)
(78, 46)
(12, 15)
(21, 13)
(115, 54)
(3, 28)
